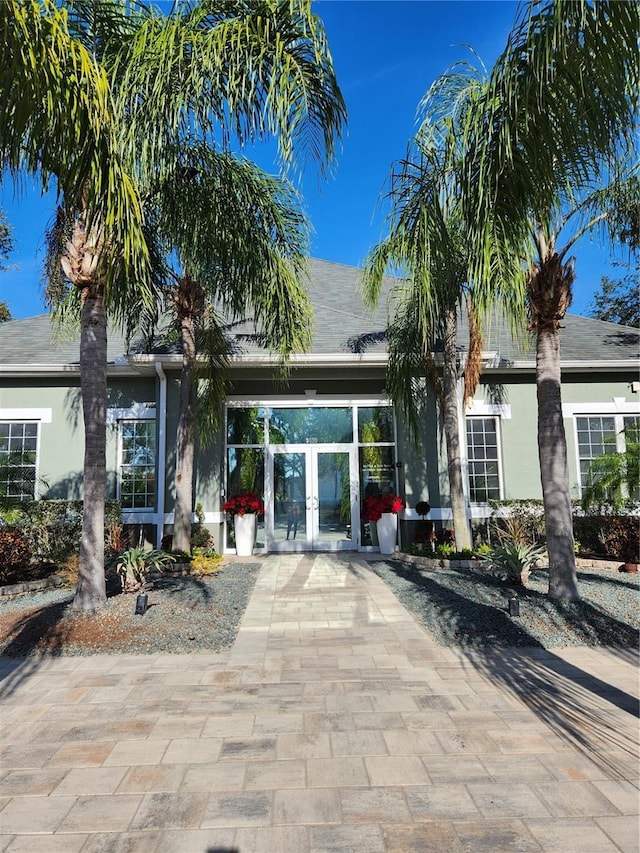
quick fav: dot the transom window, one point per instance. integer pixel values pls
(18, 460)
(483, 455)
(138, 464)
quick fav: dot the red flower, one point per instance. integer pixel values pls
(375, 505)
(249, 502)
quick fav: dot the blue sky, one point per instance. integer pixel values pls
(386, 54)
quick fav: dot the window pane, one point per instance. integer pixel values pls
(482, 455)
(245, 473)
(245, 470)
(245, 426)
(310, 425)
(375, 424)
(138, 464)
(18, 446)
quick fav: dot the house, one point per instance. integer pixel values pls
(315, 446)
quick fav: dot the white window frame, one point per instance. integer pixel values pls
(141, 415)
(618, 426)
(485, 414)
(29, 415)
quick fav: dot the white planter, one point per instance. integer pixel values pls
(245, 531)
(387, 526)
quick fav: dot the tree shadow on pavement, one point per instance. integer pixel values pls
(572, 690)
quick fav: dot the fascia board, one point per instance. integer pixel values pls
(269, 360)
(16, 371)
(572, 366)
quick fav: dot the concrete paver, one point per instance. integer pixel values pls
(335, 723)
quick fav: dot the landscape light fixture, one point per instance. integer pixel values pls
(142, 602)
(514, 605)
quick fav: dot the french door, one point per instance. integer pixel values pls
(311, 496)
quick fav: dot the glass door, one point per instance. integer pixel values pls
(312, 499)
(287, 512)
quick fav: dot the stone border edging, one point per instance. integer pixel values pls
(51, 582)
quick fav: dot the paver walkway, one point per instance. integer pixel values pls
(334, 724)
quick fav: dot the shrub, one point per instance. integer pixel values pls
(616, 537)
(200, 536)
(516, 559)
(445, 551)
(206, 564)
(68, 571)
(14, 550)
(518, 521)
(53, 528)
(134, 565)
(446, 536)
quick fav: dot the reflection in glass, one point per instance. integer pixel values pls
(245, 426)
(377, 477)
(245, 473)
(289, 496)
(310, 425)
(334, 497)
(375, 423)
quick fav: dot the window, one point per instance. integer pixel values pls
(18, 460)
(138, 464)
(597, 435)
(483, 456)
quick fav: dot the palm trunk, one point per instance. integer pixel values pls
(185, 438)
(450, 414)
(91, 590)
(554, 471)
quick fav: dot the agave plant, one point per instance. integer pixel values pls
(516, 559)
(134, 564)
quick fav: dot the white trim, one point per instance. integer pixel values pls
(498, 428)
(478, 408)
(619, 406)
(302, 401)
(605, 410)
(161, 449)
(137, 512)
(137, 412)
(44, 416)
(209, 518)
(139, 516)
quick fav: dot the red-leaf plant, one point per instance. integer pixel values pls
(249, 502)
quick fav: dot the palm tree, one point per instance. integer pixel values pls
(6, 242)
(58, 120)
(558, 111)
(230, 68)
(426, 244)
(240, 242)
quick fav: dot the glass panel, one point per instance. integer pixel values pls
(138, 464)
(289, 496)
(245, 426)
(334, 498)
(245, 473)
(18, 445)
(377, 476)
(310, 426)
(482, 452)
(245, 470)
(375, 424)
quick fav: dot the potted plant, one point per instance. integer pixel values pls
(244, 509)
(383, 510)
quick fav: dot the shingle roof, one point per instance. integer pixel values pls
(339, 316)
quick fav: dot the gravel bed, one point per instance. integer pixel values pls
(184, 614)
(469, 609)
